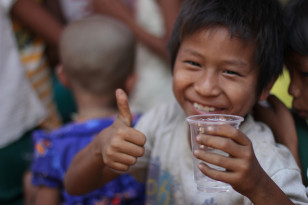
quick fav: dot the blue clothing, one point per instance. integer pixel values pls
(54, 152)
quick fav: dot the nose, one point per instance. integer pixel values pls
(294, 87)
(208, 84)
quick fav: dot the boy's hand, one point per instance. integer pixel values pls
(120, 144)
(244, 172)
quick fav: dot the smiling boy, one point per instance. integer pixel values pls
(225, 56)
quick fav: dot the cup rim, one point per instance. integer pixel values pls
(237, 119)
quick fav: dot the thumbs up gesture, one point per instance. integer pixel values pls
(120, 144)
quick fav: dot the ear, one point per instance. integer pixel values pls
(266, 91)
(62, 77)
(130, 83)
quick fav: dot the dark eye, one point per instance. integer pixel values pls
(304, 74)
(230, 72)
(193, 63)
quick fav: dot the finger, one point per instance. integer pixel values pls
(134, 136)
(225, 144)
(229, 132)
(120, 161)
(123, 108)
(223, 176)
(128, 148)
(119, 166)
(229, 163)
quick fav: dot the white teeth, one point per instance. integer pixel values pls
(204, 108)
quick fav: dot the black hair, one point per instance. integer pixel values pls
(257, 21)
(296, 22)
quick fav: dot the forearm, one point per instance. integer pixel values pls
(87, 169)
(170, 10)
(47, 196)
(36, 18)
(157, 44)
(54, 7)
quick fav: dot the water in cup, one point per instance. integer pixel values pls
(198, 125)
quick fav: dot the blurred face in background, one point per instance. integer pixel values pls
(298, 68)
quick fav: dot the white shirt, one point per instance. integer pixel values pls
(20, 108)
(169, 160)
(74, 10)
(154, 82)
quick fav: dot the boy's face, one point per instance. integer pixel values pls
(298, 67)
(215, 73)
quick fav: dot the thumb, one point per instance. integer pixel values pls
(123, 108)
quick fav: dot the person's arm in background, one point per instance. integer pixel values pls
(54, 7)
(119, 10)
(170, 10)
(38, 19)
(41, 22)
(279, 118)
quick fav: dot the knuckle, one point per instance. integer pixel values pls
(108, 154)
(248, 155)
(132, 161)
(143, 139)
(219, 161)
(121, 131)
(233, 132)
(138, 152)
(245, 169)
(141, 152)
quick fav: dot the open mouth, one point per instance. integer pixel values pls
(204, 108)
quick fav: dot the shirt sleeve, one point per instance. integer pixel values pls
(290, 182)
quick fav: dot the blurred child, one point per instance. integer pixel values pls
(278, 116)
(97, 57)
(21, 110)
(296, 18)
(226, 54)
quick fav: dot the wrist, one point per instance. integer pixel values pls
(268, 191)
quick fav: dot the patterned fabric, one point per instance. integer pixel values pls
(54, 152)
(31, 51)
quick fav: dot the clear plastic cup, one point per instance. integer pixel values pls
(198, 125)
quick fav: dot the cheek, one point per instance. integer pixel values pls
(243, 97)
(180, 81)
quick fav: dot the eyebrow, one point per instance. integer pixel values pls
(186, 50)
(235, 62)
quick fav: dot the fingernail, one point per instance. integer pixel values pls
(210, 128)
(200, 165)
(198, 138)
(201, 130)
